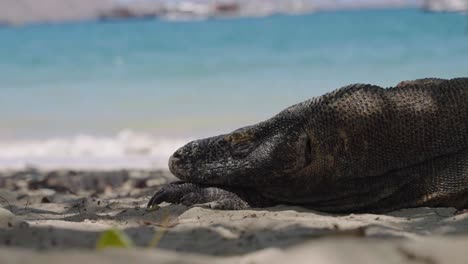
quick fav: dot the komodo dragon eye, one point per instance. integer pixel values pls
(241, 143)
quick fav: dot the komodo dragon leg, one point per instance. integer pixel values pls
(224, 198)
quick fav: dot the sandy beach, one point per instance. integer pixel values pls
(57, 216)
(98, 94)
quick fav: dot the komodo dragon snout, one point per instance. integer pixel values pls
(243, 157)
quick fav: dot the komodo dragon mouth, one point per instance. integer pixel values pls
(243, 156)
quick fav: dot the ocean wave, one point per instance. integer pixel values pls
(127, 149)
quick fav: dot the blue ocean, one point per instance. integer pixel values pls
(129, 92)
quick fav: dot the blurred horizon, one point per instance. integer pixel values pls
(19, 12)
(131, 92)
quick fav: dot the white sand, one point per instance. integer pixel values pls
(66, 229)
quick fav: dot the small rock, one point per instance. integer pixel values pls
(9, 220)
(45, 200)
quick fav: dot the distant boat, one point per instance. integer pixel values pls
(446, 5)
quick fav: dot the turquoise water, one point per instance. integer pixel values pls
(198, 78)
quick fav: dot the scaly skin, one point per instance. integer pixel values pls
(361, 148)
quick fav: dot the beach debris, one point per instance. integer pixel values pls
(5, 197)
(166, 223)
(45, 200)
(114, 238)
(159, 233)
(9, 220)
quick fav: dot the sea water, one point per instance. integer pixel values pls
(128, 93)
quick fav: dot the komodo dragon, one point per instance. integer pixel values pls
(361, 148)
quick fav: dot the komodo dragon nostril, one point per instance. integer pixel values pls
(173, 161)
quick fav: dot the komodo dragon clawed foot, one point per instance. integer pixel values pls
(191, 194)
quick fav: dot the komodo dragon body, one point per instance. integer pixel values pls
(361, 148)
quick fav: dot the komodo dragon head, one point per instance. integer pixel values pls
(274, 147)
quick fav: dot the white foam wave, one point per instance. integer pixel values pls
(128, 149)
